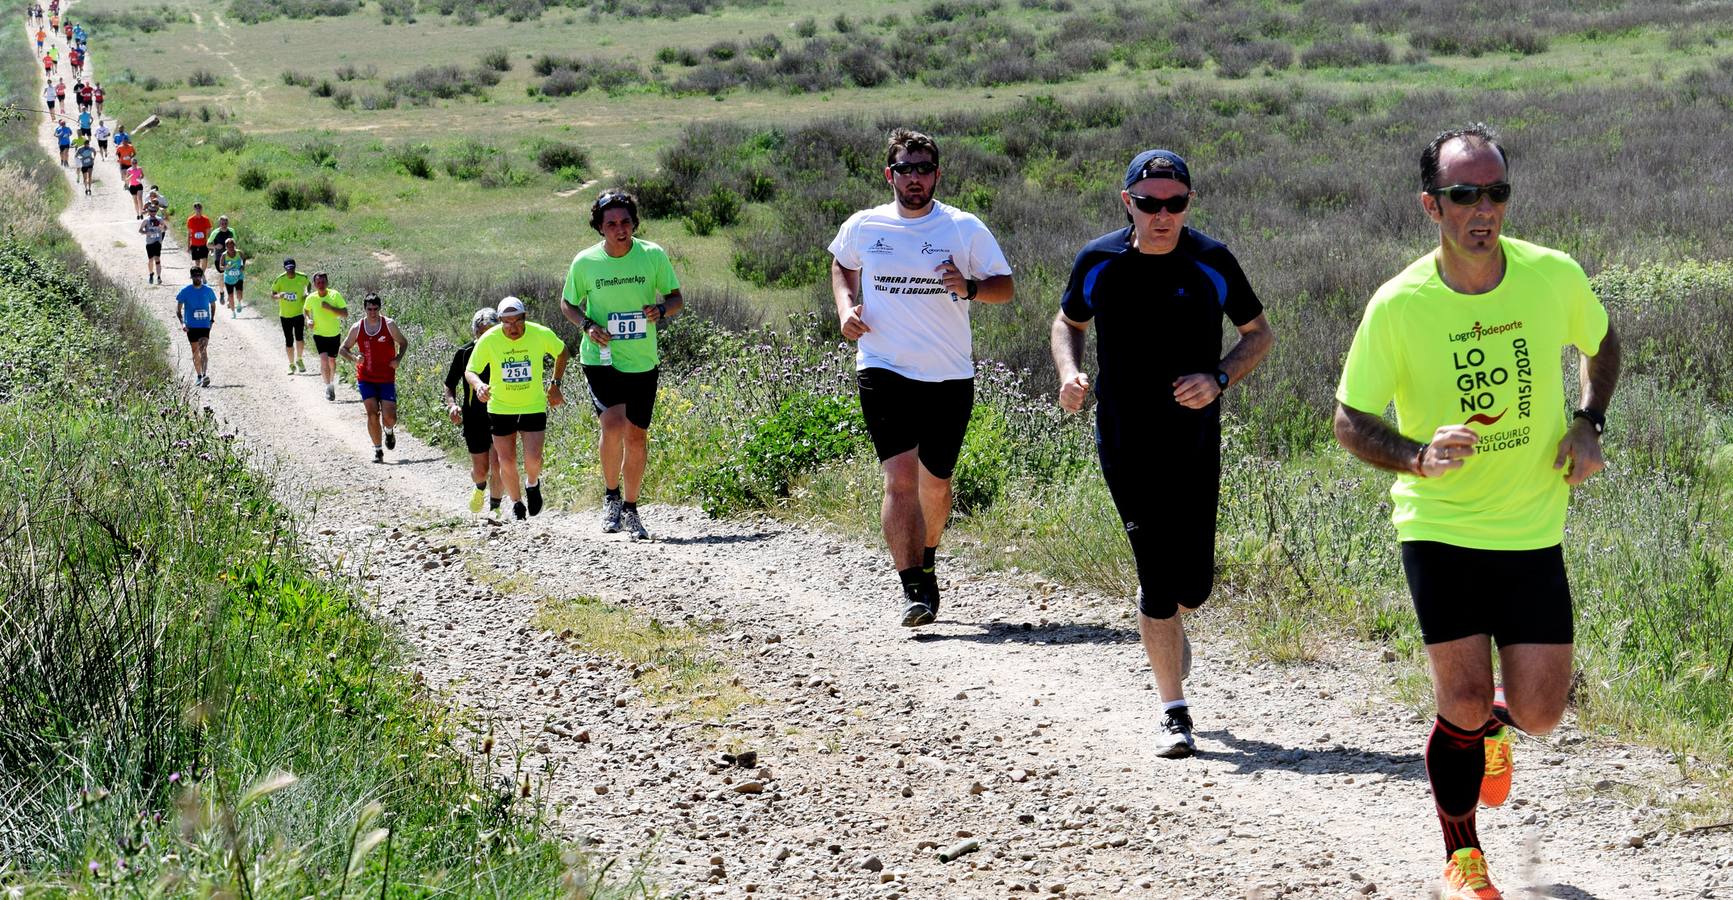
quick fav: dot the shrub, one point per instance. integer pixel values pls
(1238, 60)
(229, 140)
(445, 82)
(324, 88)
(806, 432)
(468, 160)
(343, 98)
(545, 64)
(347, 72)
(255, 11)
(985, 464)
(501, 172)
(390, 10)
(806, 27)
(203, 78)
(252, 178)
(764, 48)
(377, 100)
(293, 78)
(499, 60)
(321, 153)
(722, 50)
(677, 56)
(151, 83)
(305, 194)
(414, 160)
(842, 24)
(1346, 53)
(555, 157)
(564, 83)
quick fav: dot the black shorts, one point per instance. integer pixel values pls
(132, 188)
(101, 145)
(610, 387)
(194, 335)
(294, 329)
(1516, 596)
(1166, 483)
(327, 344)
(477, 433)
(84, 132)
(929, 417)
(199, 251)
(237, 286)
(506, 426)
(153, 250)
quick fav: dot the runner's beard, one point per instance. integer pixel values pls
(909, 201)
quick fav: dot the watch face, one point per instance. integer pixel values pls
(1222, 379)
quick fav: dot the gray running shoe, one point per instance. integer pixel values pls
(611, 511)
(1175, 740)
(630, 523)
(331, 393)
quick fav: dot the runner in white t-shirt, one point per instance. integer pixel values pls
(903, 275)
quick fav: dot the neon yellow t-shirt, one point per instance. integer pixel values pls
(613, 292)
(515, 379)
(325, 322)
(1490, 361)
(296, 284)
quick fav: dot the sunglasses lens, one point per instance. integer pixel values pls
(920, 168)
(1463, 195)
(1499, 192)
(1153, 205)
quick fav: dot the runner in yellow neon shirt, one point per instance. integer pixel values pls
(513, 352)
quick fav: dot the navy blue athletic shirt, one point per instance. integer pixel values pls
(1157, 317)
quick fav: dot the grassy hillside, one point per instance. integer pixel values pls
(188, 705)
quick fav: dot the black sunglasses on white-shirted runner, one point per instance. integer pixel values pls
(1175, 205)
(1469, 194)
(914, 168)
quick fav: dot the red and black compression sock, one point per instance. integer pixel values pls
(1455, 763)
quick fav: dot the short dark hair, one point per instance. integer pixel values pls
(1478, 133)
(606, 200)
(197, 270)
(907, 139)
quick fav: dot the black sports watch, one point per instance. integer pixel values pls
(1222, 379)
(1595, 417)
(973, 287)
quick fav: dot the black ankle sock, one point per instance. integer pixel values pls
(930, 558)
(911, 579)
(1455, 764)
(629, 506)
(614, 494)
(481, 485)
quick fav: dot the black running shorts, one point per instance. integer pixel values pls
(1516, 596)
(198, 251)
(194, 335)
(153, 250)
(1165, 484)
(294, 329)
(477, 433)
(327, 344)
(508, 425)
(610, 387)
(929, 417)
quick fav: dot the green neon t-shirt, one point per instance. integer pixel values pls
(296, 284)
(325, 322)
(515, 379)
(613, 293)
(1490, 361)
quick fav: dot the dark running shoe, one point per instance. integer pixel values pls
(390, 439)
(1175, 741)
(517, 509)
(916, 611)
(533, 493)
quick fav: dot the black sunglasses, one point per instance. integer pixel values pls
(1152, 205)
(1469, 194)
(915, 168)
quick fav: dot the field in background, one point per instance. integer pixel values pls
(1615, 124)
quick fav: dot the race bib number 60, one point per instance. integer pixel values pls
(628, 326)
(516, 371)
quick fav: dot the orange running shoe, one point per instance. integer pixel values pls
(1465, 877)
(1495, 783)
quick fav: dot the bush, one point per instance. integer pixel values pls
(305, 194)
(229, 140)
(446, 82)
(564, 83)
(468, 160)
(252, 178)
(324, 88)
(203, 78)
(293, 78)
(547, 63)
(343, 98)
(807, 27)
(806, 432)
(255, 11)
(985, 464)
(556, 157)
(321, 153)
(414, 160)
(1346, 54)
(677, 56)
(377, 100)
(722, 50)
(499, 60)
(501, 172)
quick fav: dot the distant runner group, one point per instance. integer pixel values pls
(1465, 343)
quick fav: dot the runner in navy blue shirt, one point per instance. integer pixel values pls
(1157, 292)
(196, 307)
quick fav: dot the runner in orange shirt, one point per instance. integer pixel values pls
(198, 235)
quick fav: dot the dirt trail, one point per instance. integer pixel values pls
(1020, 719)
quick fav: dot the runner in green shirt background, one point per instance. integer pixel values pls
(329, 313)
(513, 353)
(617, 292)
(290, 289)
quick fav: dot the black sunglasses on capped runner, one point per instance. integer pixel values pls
(1469, 194)
(915, 168)
(1152, 205)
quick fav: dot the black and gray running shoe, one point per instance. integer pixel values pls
(1175, 741)
(633, 526)
(611, 510)
(533, 493)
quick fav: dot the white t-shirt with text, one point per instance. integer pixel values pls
(920, 330)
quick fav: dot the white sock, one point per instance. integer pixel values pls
(1172, 705)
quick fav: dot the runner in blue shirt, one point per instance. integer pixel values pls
(86, 163)
(63, 136)
(196, 307)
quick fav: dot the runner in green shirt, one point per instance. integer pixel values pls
(513, 354)
(1466, 342)
(290, 289)
(329, 313)
(617, 292)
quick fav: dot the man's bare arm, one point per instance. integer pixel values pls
(1375, 441)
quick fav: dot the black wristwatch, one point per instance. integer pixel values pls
(661, 312)
(1595, 417)
(1222, 379)
(973, 287)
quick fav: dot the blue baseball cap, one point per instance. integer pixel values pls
(1157, 164)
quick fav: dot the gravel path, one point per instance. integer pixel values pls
(1019, 720)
